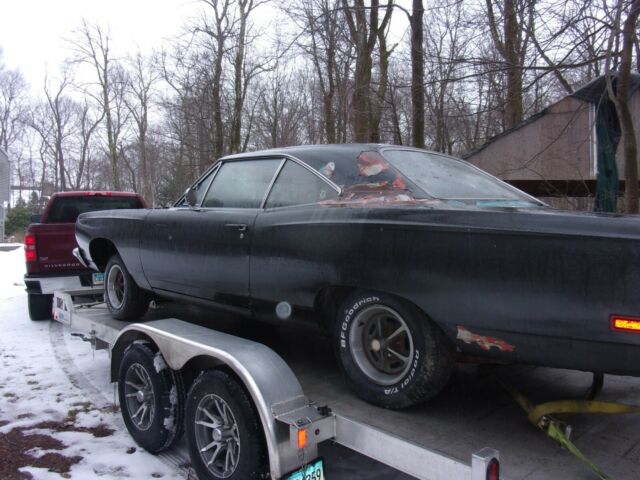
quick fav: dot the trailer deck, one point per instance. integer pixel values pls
(472, 413)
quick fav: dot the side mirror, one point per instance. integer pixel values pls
(191, 198)
(36, 218)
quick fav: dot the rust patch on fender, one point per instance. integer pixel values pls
(485, 343)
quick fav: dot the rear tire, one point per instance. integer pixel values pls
(125, 300)
(40, 306)
(392, 355)
(223, 430)
(151, 398)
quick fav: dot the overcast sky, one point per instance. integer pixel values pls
(32, 32)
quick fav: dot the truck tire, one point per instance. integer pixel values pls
(223, 430)
(151, 398)
(392, 355)
(40, 306)
(125, 300)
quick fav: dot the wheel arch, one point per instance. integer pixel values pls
(100, 251)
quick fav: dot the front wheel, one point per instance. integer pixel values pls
(124, 299)
(391, 353)
(151, 398)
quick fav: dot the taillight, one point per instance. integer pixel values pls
(621, 323)
(30, 252)
(493, 470)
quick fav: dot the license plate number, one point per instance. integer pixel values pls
(312, 471)
(98, 278)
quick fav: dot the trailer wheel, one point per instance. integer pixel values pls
(40, 306)
(392, 355)
(125, 300)
(151, 398)
(223, 430)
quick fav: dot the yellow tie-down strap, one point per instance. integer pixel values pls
(543, 417)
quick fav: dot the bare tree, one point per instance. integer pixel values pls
(141, 80)
(92, 48)
(620, 97)
(365, 31)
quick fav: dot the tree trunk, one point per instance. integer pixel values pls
(630, 148)
(417, 74)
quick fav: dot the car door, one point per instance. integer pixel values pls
(163, 265)
(292, 236)
(211, 246)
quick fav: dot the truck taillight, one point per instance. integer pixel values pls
(30, 252)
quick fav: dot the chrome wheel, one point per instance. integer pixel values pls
(115, 286)
(381, 344)
(217, 436)
(140, 397)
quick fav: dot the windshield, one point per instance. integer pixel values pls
(447, 178)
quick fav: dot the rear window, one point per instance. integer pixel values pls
(67, 209)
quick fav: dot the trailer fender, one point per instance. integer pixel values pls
(272, 385)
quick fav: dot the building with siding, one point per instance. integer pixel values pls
(557, 154)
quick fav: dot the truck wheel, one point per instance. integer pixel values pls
(40, 306)
(125, 300)
(392, 355)
(151, 398)
(223, 430)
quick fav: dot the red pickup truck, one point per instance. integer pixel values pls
(50, 241)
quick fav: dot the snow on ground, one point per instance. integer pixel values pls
(50, 411)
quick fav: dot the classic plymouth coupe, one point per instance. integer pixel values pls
(407, 257)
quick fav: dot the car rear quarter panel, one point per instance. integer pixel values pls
(123, 229)
(534, 288)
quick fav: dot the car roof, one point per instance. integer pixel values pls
(341, 163)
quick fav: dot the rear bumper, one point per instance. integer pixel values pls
(48, 284)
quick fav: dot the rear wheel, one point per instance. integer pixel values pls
(40, 306)
(223, 430)
(125, 300)
(391, 353)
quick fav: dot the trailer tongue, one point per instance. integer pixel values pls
(156, 362)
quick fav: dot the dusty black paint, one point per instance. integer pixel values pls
(542, 280)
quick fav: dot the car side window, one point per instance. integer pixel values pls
(241, 184)
(199, 188)
(298, 186)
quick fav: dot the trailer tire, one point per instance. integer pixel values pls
(125, 300)
(219, 411)
(40, 306)
(151, 398)
(392, 354)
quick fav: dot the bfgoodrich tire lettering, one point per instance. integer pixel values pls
(125, 300)
(151, 398)
(391, 353)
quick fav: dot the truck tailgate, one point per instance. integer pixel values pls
(55, 243)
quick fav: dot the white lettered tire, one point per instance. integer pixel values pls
(392, 355)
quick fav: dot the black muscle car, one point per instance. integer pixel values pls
(406, 256)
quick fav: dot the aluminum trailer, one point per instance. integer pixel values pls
(291, 424)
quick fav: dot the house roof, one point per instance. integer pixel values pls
(592, 92)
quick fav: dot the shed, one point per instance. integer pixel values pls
(554, 154)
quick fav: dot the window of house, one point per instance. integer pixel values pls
(241, 184)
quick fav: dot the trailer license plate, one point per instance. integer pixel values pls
(312, 471)
(98, 279)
